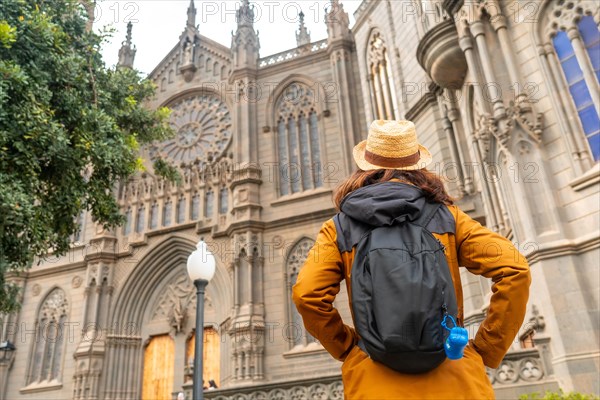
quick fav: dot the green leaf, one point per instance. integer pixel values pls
(70, 132)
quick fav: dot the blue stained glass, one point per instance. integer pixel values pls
(594, 53)
(589, 120)
(591, 39)
(572, 70)
(594, 141)
(578, 88)
(562, 45)
(588, 29)
(580, 94)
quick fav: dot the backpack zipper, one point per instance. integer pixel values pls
(441, 245)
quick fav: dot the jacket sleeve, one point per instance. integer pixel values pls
(314, 292)
(486, 253)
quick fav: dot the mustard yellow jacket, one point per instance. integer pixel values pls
(472, 246)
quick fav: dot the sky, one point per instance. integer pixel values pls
(157, 24)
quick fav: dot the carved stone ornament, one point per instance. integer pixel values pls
(36, 289)
(298, 255)
(485, 128)
(527, 118)
(174, 301)
(277, 241)
(317, 391)
(177, 301)
(204, 130)
(76, 281)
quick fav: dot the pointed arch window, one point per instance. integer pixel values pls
(295, 333)
(127, 226)
(167, 212)
(298, 140)
(78, 235)
(381, 83)
(48, 346)
(583, 86)
(209, 197)
(195, 207)
(223, 200)
(153, 216)
(181, 210)
(140, 219)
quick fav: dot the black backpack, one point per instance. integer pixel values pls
(401, 291)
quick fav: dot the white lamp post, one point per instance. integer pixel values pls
(201, 268)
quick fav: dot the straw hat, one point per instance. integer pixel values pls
(391, 145)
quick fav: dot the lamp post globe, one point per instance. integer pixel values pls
(201, 263)
(201, 267)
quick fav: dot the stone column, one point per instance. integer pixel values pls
(478, 30)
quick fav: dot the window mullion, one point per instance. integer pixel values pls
(44, 352)
(585, 65)
(309, 142)
(378, 94)
(296, 122)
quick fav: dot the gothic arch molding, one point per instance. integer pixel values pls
(379, 65)
(295, 243)
(204, 90)
(295, 256)
(135, 295)
(546, 24)
(374, 30)
(553, 17)
(44, 297)
(321, 103)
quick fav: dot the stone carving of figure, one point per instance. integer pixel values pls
(178, 313)
(187, 53)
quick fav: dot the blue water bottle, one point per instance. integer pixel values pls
(456, 341)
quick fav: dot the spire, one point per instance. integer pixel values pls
(244, 42)
(191, 15)
(245, 14)
(338, 22)
(127, 51)
(303, 35)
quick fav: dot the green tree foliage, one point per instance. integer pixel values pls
(560, 395)
(70, 129)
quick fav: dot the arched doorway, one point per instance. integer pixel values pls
(159, 368)
(154, 316)
(211, 357)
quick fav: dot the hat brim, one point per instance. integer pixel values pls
(359, 157)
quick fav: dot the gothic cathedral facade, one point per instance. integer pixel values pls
(504, 94)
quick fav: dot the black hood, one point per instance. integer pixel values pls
(379, 204)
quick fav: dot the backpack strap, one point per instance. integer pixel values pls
(429, 211)
(349, 231)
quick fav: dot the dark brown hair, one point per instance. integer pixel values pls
(427, 181)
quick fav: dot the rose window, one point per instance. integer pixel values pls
(203, 126)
